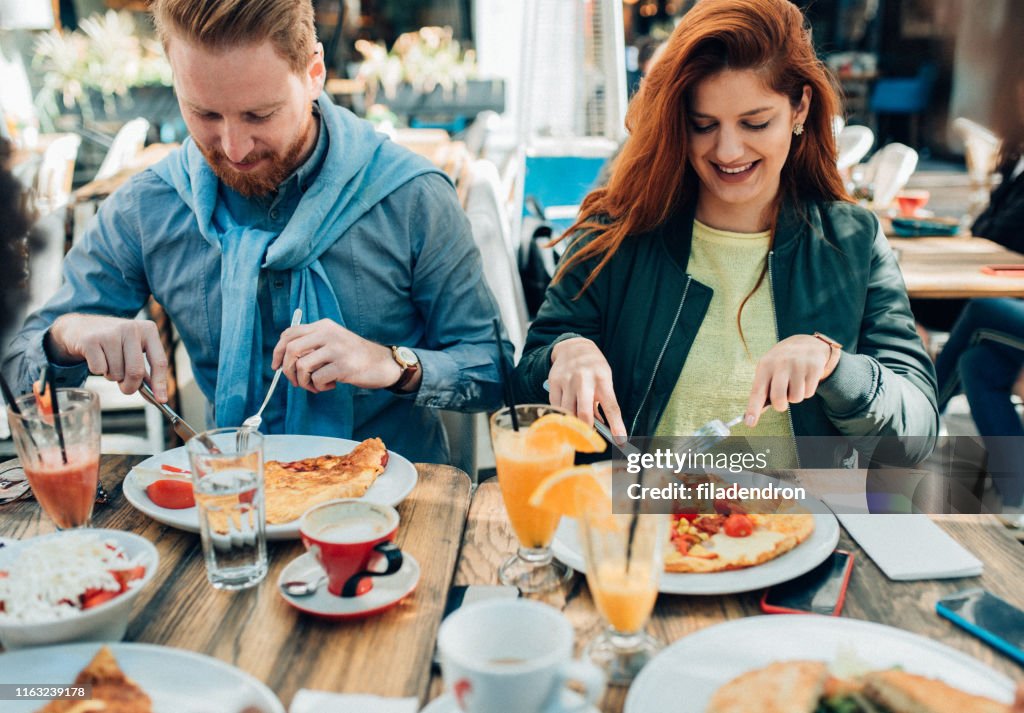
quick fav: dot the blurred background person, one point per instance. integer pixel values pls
(984, 358)
(15, 220)
(1003, 220)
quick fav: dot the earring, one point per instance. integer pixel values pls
(798, 129)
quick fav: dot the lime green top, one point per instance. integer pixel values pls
(718, 373)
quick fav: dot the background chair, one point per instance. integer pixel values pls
(56, 173)
(906, 96)
(853, 144)
(981, 150)
(889, 170)
(127, 144)
(487, 209)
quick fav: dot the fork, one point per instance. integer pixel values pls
(253, 422)
(711, 433)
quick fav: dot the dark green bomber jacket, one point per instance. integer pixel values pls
(830, 270)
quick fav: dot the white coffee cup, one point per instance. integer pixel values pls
(500, 656)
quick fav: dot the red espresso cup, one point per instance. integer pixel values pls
(353, 541)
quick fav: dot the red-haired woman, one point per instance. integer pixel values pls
(723, 267)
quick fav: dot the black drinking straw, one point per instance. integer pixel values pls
(633, 521)
(506, 376)
(48, 384)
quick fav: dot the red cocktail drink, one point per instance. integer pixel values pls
(66, 491)
(61, 464)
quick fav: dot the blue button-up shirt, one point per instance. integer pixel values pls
(407, 273)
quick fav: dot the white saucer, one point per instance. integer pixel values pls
(445, 703)
(387, 591)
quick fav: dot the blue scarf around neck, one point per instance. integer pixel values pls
(360, 169)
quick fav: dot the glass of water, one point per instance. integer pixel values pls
(227, 479)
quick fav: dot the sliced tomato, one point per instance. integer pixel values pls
(738, 525)
(384, 459)
(43, 401)
(173, 469)
(247, 496)
(95, 597)
(171, 494)
(123, 576)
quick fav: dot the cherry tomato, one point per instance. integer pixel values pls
(171, 494)
(95, 597)
(738, 525)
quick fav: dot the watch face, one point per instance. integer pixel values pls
(407, 355)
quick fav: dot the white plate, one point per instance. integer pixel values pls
(802, 558)
(387, 591)
(445, 703)
(694, 667)
(390, 488)
(178, 681)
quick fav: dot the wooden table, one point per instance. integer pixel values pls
(950, 267)
(256, 630)
(871, 596)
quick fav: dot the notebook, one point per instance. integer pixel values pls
(908, 547)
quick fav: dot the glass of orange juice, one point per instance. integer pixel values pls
(523, 460)
(623, 556)
(62, 466)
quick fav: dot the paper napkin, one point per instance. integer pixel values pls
(907, 547)
(307, 701)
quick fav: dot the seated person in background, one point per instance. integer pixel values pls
(984, 357)
(1003, 220)
(701, 282)
(14, 225)
(279, 200)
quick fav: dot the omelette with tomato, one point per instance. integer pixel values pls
(721, 541)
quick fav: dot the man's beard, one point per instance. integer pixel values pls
(265, 179)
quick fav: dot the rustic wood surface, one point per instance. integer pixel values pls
(255, 630)
(951, 267)
(871, 596)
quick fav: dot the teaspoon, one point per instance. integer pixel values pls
(303, 587)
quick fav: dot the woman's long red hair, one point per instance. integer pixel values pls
(652, 176)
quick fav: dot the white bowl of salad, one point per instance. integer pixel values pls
(74, 585)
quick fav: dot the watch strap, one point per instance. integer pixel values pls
(835, 350)
(408, 372)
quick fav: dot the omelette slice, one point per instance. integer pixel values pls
(294, 487)
(112, 690)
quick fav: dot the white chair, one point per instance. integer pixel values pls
(981, 149)
(128, 143)
(56, 173)
(492, 231)
(889, 170)
(491, 225)
(838, 124)
(476, 135)
(853, 144)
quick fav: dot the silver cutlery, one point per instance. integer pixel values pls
(180, 425)
(303, 587)
(254, 421)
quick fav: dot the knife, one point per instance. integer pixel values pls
(180, 425)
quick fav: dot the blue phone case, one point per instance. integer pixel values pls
(984, 634)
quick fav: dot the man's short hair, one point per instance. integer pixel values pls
(225, 24)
